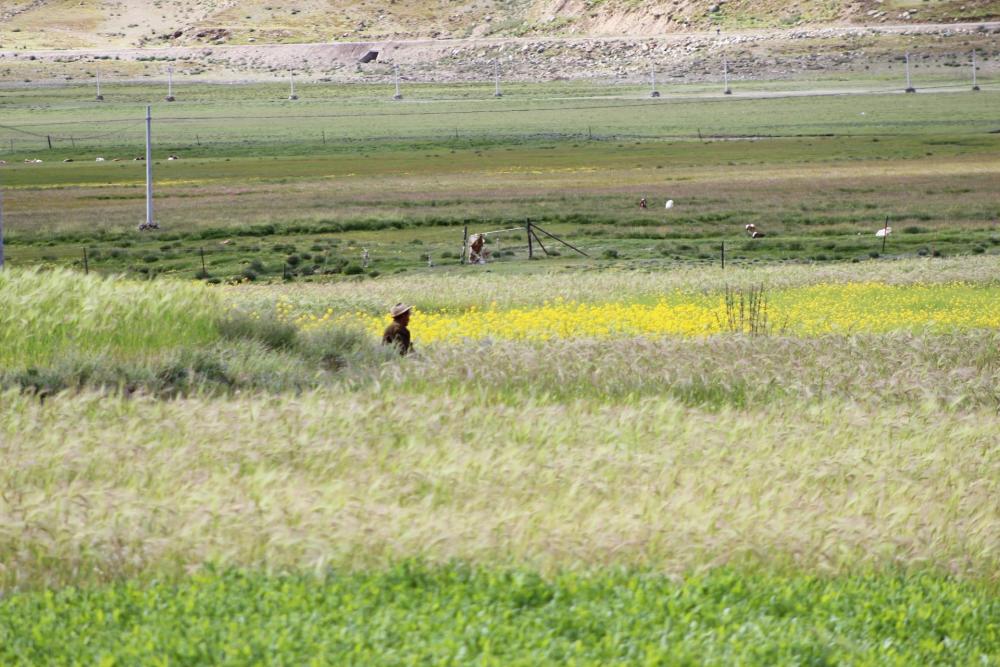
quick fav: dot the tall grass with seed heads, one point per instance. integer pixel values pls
(97, 488)
(47, 315)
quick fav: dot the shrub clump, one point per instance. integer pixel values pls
(327, 346)
(272, 332)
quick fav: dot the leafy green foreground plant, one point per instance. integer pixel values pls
(412, 614)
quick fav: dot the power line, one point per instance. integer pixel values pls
(38, 135)
(96, 121)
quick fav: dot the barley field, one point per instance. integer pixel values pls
(562, 463)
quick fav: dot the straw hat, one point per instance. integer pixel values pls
(399, 309)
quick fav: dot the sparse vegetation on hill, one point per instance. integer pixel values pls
(49, 23)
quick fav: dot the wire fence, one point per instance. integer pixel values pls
(546, 111)
(175, 132)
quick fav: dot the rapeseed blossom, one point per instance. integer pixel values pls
(806, 311)
(880, 308)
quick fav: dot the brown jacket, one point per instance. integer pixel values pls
(398, 335)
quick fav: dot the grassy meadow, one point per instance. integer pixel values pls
(272, 190)
(640, 457)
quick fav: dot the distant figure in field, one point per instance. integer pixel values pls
(642, 203)
(752, 231)
(477, 251)
(396, 333)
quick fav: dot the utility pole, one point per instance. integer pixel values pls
(496, 78)
(725, 76)
(170, 84)
(291, 82)
(149, 169)
(398, 95)
(99, 98)
(653, 92)
(909, 87)
(975, 86)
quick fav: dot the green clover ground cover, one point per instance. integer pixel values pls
(416, 614)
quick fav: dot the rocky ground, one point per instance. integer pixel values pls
(754, 54)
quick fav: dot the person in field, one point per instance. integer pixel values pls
(397, 334)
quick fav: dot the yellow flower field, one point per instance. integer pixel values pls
(806, 311)
(879, 308)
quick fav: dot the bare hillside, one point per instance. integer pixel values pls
(47, 24)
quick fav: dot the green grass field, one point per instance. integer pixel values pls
(298, 189)
(587, 460)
